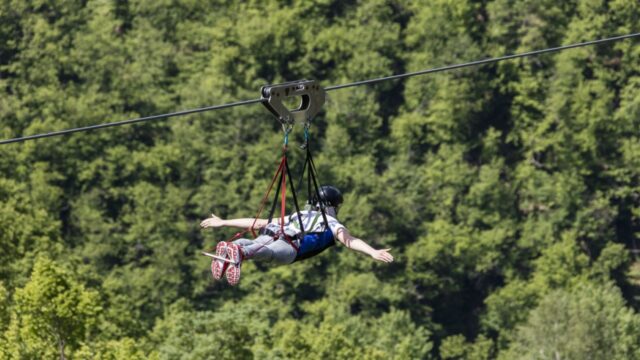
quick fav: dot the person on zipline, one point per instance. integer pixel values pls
(273, 246)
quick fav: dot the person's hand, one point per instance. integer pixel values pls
(213, 221)
(382, 255)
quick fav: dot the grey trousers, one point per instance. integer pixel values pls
(264, 248)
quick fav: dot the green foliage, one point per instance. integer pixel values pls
(53, 314)
(455, 347)
(4, 307)
(28, 224)
(123, 349)
(501, 189)
(586, 321)
(391, 336)
(226, 334)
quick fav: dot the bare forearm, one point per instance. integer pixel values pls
(359, 245)
(244, 223)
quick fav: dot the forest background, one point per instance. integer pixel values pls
(509, 193)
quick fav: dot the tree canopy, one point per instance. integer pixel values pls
(509, 193)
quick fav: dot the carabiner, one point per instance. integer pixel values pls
(304, 145)
(286, 128)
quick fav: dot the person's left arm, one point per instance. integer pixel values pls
(357, 244)
(245, 223)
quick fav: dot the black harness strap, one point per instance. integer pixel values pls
(313, 177)
(284, 174)
(275, 197)
(312, 182)
(295, 198)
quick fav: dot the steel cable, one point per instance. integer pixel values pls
(330, 88)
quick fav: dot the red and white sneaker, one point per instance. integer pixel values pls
(218, 267)
(234, 253)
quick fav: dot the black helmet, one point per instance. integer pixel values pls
(330, 196)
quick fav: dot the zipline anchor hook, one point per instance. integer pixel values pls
(312, 94)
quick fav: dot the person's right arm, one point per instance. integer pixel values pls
(244, 223)
(357, 244)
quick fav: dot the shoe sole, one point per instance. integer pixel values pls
(218, 267)
(233, 272)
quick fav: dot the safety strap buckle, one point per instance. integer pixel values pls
(312, 94)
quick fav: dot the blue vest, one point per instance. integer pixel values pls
(314, 243)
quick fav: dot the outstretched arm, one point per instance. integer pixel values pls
(354, 243)
(245, 223)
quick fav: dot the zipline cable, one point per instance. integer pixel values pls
(479, 62)
(130, 121)
(330, 88)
